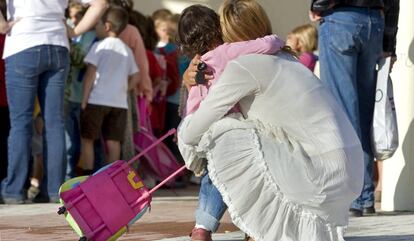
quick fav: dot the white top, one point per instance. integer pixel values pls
(278, 91)
(114, 63)
(42, 22)
(289, 168)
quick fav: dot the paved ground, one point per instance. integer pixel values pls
(171, 219)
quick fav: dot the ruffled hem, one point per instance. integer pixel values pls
(281, 218)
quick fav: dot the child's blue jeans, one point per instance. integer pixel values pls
(211, 207)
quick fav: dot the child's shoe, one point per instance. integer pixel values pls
(33, 190)
(200, 234)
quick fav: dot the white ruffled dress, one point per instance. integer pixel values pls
(290, 164)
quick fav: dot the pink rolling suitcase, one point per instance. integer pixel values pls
(102, 206)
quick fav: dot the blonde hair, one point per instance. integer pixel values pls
(161, 15)
(307, 36)
(77, 6)
(243, 20)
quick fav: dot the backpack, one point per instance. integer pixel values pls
(101, 207)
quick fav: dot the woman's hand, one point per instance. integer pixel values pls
(83, 105)
(5, 26)
(315, 16)
(191, 72)
(393, 58)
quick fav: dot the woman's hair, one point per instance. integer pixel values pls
(145, 25)
(3, 8)
(199, 30)
(307, 36)
(243, 20)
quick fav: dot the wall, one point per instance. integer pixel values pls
(284, 15)
(398, 182)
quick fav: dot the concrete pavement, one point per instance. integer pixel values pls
(172, 218)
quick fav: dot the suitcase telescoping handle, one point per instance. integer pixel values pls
(169, 133)
(167, 179)
(143, 152)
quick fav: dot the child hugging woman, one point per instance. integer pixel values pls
(288, 163)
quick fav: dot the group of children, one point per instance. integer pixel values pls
(101, 96)
(104, 73)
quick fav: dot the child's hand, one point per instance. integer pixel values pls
(70, 31)
(84, 104)
(191, 72)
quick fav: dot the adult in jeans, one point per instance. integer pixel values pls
(353, 35)
(37, 63)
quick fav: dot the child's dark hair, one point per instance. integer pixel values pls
(118, 18)
(199, 30)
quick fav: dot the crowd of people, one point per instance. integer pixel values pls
(90, 119)
(256, 117)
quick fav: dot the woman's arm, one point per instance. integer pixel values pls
(144, 84)
(92, 16)
(235, 83)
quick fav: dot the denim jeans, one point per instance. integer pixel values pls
(350, 44)
(4, 134)
(73, 143)
(38, 71)
(73, 140)
(211, 207)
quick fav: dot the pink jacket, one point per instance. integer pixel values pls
(218, 58)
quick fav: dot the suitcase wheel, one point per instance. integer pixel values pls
(62, 210)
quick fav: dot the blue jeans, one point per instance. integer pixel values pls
(350, 44)
(73, 140)
(211, 207)
(39, 71)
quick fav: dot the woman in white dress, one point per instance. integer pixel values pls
(290, 164)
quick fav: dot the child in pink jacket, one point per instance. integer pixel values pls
(218, 58)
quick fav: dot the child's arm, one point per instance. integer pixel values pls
(267, 45)
(88, 80)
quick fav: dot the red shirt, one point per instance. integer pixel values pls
(3, 98)
(155, 70)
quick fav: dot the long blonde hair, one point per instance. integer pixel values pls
(307, 36)
(243, 20)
